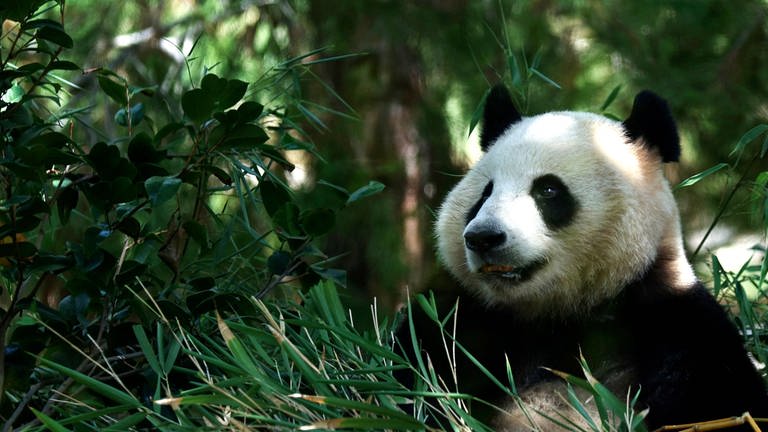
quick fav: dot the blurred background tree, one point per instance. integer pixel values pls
(423, 67)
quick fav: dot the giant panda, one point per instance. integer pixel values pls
(566, 242)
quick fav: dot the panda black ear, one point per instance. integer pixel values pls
(498, 114)
(651, 119)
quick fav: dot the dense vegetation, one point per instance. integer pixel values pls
(181, 225)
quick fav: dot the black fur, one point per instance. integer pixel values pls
(651, 119)
(690, 360)
(499, 114)
(487, 191)
(555, 202)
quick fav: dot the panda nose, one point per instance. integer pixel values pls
(484, 240)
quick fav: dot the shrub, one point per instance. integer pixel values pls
(177, 210)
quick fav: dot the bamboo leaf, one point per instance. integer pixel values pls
(692, 180)
(478, 113)
(50, 423)
(611, 97)
(747, 138)
(241, 355)
(95, 385)
(146, 348)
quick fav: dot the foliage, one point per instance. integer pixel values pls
(145, 216)
(183, 210)
(290, 366)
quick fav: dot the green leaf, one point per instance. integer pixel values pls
(167, 130)
(245, 136)
(514, 70)
(545, 78)
(94, 385)
(337, 276)
(372, 188)
(161, 189)
(197, 104)
(220, 174)
(49, 422)
(242, 356)
(249, 111)
(611, 97)
(116, 91)
(136, 112)
(66, 202)
(146, 348)
(63, 65)
(123, 190)
(31, 68)
(14, 94)
(32, 206)
(46, 149)
(212, 84)
(130, 227)
(197, 232)
(747, 138)
(19, 10)
(232, 93)
(428, 307)
(142, 150)
(55, 33)
(478, 113)
(106, 160)
(278, 262)
(75, 306)
(273, 196)
(692, 180)
(359, 406)
(287, 218)
(126, 423)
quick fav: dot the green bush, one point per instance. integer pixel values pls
(176, 209)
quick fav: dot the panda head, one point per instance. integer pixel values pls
(564, 209)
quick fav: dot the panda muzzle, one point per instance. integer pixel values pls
(497, 268)
(510, 272)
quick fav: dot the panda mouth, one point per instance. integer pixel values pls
(511, 273)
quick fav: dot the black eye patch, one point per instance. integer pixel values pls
(555, 202)
(476, 208)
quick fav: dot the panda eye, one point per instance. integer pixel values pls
(554, 200)
(547, 187)
(487, 191)
(548, 192)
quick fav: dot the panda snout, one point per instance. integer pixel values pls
(484, 239)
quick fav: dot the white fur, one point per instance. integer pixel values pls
(626, 215)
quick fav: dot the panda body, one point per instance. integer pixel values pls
(565, 238)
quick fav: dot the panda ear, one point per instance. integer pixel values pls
(651, 119)
(499, 113)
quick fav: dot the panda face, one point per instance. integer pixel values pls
(486, 236)
(561, 212)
